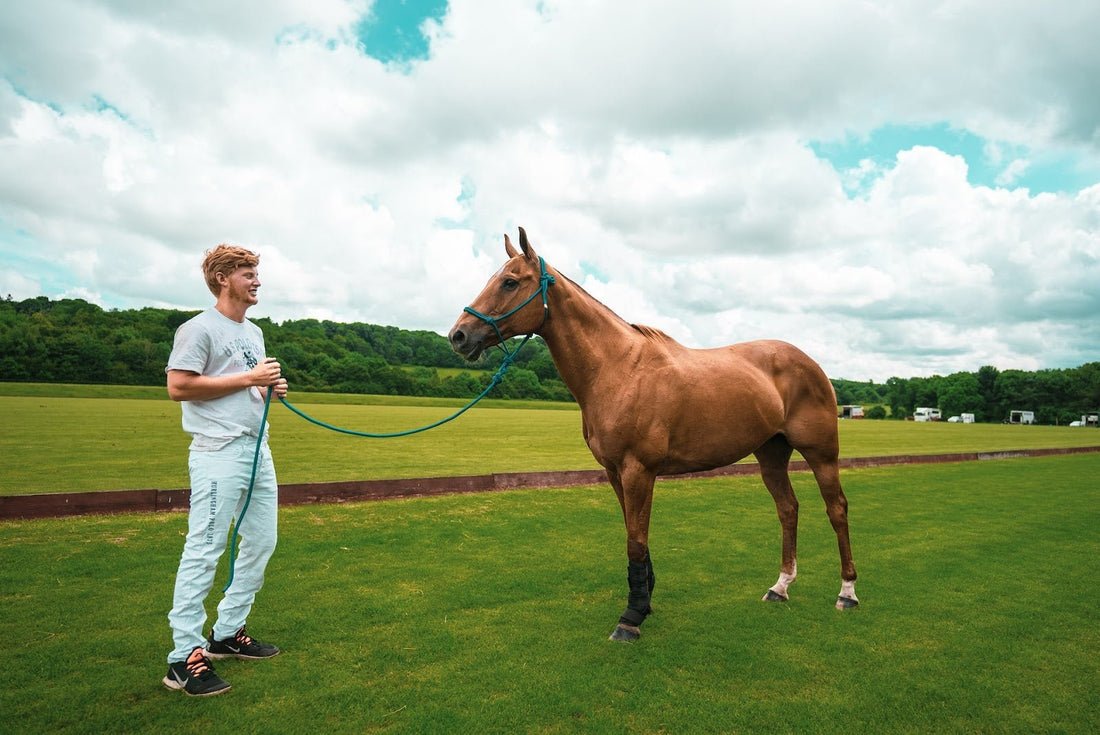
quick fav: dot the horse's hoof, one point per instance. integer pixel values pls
(846, 603)
(774, 596)
(625, 633)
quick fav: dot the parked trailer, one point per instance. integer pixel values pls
(1021, 417)
(851, 412)
(923, 413)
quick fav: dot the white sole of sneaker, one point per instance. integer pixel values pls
(174, 685)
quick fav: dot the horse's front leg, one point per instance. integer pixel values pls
(635, 493)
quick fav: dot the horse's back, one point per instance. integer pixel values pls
(772, 371)
(809, 401)
(794, 373)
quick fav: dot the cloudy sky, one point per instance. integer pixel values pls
(900, 187)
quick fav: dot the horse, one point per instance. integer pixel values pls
(651, 406)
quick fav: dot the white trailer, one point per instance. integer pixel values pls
(1088, 419)
(923, 413)
(1021, 417)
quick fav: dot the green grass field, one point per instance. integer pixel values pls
(490, 614)
(86, 438)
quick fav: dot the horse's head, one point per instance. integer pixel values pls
(508, 305)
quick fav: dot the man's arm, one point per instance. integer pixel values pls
(184, 385)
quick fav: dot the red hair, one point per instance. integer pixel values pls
(225, 259)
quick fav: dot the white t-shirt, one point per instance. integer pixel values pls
(211, 343)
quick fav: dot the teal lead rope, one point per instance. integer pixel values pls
(251, 484)
(509, 358)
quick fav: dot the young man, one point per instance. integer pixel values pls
(220, 374)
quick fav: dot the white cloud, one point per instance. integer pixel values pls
(1012, 172)
(657, 156)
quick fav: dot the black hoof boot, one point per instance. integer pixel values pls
(846, 603)
(774, 596)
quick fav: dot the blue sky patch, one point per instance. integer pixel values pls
(391, 31)
(990, 163)
(21, 252)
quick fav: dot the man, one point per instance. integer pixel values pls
(220, 374)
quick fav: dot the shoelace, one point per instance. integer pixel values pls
(198, 666)
(243, 638)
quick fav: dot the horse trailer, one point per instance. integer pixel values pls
(926, 414)
(1021, 417)
(851, 412)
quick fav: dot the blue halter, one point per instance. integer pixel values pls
(545, 281)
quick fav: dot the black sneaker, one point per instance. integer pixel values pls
(241, 645)
(195, 676)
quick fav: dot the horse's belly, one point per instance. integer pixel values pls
(691, 446)
(700, 456)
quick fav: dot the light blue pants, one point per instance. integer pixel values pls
(219, 488)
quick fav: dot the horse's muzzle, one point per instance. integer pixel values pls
(465, 344)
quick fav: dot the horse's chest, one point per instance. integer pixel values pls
(612, 435)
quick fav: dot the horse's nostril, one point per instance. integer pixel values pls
(458, 337)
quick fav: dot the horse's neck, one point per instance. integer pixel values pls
(582, 335)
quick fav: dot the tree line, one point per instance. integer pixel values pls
(74, 341)
(1055, 396)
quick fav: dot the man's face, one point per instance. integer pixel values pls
(241, 285)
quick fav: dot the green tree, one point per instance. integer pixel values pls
(876, 412)
(899, 396)
(520, 383)
(961, 393)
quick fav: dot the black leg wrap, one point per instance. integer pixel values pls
(638, 574)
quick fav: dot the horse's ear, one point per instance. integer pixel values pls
(528, 251)
(511, 251)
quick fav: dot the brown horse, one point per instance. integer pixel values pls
(650, 406)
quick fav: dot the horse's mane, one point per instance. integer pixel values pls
(651, 332)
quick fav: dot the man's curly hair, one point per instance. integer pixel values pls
(225, 259)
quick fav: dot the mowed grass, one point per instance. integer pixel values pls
(112, 438)
(82, 444)
(490, 614)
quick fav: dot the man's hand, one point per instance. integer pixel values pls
(266, 373)
(279, 386)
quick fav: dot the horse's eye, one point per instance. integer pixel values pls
(510, 284)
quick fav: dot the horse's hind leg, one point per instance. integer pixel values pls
(774, 457)
(827, 472)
